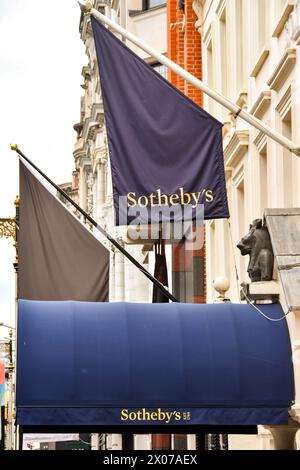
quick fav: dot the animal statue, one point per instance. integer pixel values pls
(257, 244)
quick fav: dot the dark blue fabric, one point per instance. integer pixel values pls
(158, 138)
(83, 363)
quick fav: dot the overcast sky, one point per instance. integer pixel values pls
(41, 56)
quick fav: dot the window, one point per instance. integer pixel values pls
(161, 69)
(148, 4)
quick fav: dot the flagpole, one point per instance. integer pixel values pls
(97, 226)
(237, 110)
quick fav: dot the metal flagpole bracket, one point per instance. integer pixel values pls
(296, 151)
(238, 113)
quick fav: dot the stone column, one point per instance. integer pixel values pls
(119, 275)
(95, 442)
(101, 180)
(142, 442)
(112, 275)
(114, 442)
(191, 442)
(284, 436)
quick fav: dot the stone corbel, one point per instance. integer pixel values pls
(198, 9)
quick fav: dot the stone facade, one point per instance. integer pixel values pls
(251, 55)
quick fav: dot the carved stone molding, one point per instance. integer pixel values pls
(288, 8)
(260, 61)
(198, 9)
(261, 141)
(236, 148)
(285, 103)
(261, 104)
(296, 37)
(283, 68)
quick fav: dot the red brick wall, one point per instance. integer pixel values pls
(184, 48)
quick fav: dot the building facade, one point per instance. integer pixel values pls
(249, 52)
(251, 55)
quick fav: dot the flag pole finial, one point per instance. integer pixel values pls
(14, 147)
(85, 7)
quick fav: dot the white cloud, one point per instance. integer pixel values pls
(41, 56)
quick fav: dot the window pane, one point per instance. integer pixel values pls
(154, 3)
(161, 69)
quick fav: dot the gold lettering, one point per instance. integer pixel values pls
(140, 201)
(160, 196)
(159, 199)
(124, 415)
(168, 416)
(131, 199)
(182, 197)
(152, 197)
(209, 196)
(173, 198)
(197, 197)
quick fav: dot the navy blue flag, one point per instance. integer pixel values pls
(166, 152)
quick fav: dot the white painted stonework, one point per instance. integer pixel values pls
(251, 55)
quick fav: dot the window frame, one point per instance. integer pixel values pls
(146, 5)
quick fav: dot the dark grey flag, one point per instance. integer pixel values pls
(59, 259)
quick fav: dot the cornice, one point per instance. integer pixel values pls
(97, 113)
(94, 122)
(260, 61)
(90, 129)
(283, 68)
(287, 10)
(236, 147)
(261, 104)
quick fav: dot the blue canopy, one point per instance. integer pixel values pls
(84, 363)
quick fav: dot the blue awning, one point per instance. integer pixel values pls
(84, 363)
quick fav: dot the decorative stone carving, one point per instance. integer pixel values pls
(90, 192)
(197, 7)
(257, 244)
